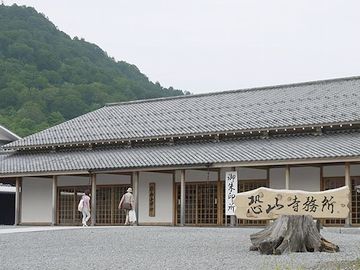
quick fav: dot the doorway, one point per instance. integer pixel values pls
(200, 203)
(107, 200)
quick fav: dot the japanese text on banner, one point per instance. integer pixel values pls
(231, 189)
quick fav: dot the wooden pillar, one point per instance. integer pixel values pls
(18, 201)
(54, 200)
(182, 198)
(135, 183)
(348, 184)
(174, 198)
(268, 185)
(287, 177)
(93, 199)
(218, 199)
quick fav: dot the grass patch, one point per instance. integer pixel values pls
(340, 265)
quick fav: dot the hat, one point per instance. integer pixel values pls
(129, 189)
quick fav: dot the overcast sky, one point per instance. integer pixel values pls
(213, 45)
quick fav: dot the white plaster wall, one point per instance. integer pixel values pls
(339, 170)
(332, 171)
(277, 178)
(197, 176)
(355, 170)
(250, 173)
(36, 203)
(163, 197)
(202, 175)
(305, 178)
(73, 181)
(101, 179)
(113, 179)
(245, 173)
(223, 173)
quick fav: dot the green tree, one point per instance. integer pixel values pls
(47, 78)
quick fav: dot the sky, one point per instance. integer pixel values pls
(215, 45)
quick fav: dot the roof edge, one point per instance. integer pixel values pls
(10, 133)
(235, 91)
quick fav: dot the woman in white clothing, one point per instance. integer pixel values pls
(86, 208)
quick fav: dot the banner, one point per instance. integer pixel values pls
(231, 188)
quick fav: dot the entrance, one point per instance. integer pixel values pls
(7, 208)
(200, 203)
(107, 200)
(355, 201)
(68, 199)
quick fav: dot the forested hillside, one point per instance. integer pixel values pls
(46, 77)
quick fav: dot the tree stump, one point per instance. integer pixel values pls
(291, 234)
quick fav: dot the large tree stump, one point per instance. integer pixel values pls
(291, 234)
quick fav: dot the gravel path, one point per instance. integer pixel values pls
(159, 248)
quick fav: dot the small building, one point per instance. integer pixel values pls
(175, 153)
(7, 189)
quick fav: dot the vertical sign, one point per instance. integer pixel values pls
(231, 189)
(152, 199)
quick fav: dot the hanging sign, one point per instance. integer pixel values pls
(266, 203)
(151, 199)
(231, 189)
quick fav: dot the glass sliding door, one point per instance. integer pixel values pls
(200, 203)
(107, 201)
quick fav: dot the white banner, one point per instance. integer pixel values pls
(231, 189)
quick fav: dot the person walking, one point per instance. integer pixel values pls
(86, 208)
(127, 203)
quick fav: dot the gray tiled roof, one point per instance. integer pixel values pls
(338, 145)
(314, 103)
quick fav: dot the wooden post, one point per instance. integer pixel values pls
(174, 198)
(218, 198)
(322, 221)
(348, 184)
(182, 198)
(93, 199)
(287, 177)
(54, 199)
(268, 185)
(135, 182)
(17, 201)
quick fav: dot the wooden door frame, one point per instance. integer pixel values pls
(74, 190)
(196, 184)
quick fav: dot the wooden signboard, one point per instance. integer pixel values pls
(151, 199)
(266, 203)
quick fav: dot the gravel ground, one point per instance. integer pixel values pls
(161, 248)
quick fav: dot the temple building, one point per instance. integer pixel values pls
(7, 189)
(175, 153)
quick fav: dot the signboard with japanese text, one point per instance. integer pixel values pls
(151, 199)
(266, 203)
(231, 188)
